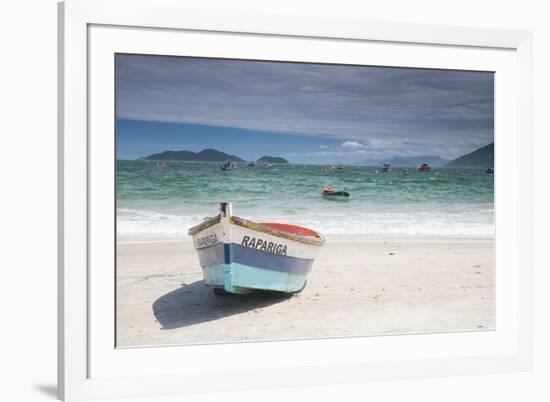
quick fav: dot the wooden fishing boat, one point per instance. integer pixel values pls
(240, 256)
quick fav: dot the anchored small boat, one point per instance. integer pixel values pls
(251, 163)
(490, 170)
(330, 194)
(424, 168)
(227, 165)
(240, 256)
(386, 167)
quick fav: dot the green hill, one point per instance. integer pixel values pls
(271, 159)
(206, 155)
(480, 158)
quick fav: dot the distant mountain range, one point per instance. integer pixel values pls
(206, 155)
(408, 161)
(480, 158)
(271, 159)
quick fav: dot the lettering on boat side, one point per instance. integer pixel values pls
(264, 245)
(205, 241)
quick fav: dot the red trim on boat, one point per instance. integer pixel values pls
(296, 230)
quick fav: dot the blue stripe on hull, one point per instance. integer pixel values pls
(273, 262)
(214, 274)
(241, 269)
(212, 255)
(227, 253)
(246, 277)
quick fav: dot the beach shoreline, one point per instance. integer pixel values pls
(359, 286)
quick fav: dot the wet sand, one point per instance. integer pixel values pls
(358, 286)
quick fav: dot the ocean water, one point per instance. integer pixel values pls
(164, 202)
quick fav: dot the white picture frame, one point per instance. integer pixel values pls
(89, 365)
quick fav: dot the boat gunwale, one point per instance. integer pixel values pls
(204, 225)
(317, 240)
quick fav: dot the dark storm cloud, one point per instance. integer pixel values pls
(385, 110)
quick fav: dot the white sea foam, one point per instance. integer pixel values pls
(470, 221)
(403, 224)
(137, 222)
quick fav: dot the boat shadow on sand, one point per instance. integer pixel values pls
(196, 303)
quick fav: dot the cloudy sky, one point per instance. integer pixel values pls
(308, 113)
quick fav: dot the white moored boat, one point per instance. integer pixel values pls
(240, 256)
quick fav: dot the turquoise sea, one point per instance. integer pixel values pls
(163, 202)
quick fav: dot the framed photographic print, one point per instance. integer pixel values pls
(244, 196)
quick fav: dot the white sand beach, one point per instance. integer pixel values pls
(358, 286)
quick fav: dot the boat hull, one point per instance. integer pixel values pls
(336, 195)
(253, 258)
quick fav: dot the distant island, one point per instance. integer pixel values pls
(271, 159)
(480, 158)
(206, 155)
